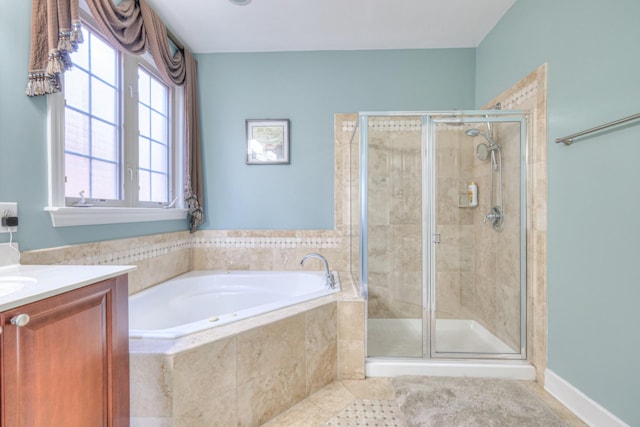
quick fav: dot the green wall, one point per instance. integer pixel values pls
(307, 88)
(592, 52)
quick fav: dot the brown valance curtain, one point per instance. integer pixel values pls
(55, 33)
(132, 27)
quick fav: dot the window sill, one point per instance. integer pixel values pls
(73, 216)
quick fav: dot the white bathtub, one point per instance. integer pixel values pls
(203, 299)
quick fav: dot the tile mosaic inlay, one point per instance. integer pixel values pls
(134, 255)
(518, 98)
(369, 413)
(267, 242)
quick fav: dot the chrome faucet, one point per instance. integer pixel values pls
(331, 283)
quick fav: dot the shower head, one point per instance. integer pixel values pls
(483, 150)
(476, 132)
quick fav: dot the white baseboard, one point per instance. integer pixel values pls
(580, 404)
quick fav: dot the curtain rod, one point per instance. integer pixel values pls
(568, 140)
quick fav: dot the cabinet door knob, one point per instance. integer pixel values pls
(20, 320)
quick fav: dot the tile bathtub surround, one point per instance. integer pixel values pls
(163, 256)
(243, 379)
(158, 257)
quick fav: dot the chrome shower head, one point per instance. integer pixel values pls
(482, 150)
(476, 132)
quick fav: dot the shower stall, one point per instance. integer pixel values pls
(441, 238)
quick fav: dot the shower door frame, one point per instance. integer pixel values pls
(429, 120)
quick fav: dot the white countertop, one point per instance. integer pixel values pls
(36, 282)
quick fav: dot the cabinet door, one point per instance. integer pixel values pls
(68, 366)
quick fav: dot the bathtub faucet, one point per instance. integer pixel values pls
(331, 283)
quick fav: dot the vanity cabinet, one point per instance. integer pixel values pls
(68, 364)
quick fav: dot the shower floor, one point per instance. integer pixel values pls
(403, 338)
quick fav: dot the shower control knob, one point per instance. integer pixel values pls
(20, 320)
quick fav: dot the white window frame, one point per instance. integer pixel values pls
(62, 212)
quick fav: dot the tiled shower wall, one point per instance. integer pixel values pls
(493, 294)
(395, 218)
(455, 253)
(477, 267)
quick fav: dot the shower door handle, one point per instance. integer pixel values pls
(436, 238)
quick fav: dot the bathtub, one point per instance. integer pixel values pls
(203, 299)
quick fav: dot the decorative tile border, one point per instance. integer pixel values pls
(397, 125)
(134, 255)
(267, 242)
(349, 125)
(385, 125)
(521, 96)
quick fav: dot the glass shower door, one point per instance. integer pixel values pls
(394, 231)
(477, 292)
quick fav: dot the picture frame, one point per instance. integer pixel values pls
(267, 141)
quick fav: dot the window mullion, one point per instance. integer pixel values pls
(130, 130)
(55, 129)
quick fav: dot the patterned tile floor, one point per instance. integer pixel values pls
(373, 413)
(371, 403)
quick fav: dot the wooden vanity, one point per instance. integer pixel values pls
(65, 356)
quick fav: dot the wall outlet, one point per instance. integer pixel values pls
(8, 209)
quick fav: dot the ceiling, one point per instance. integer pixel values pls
(208, 26)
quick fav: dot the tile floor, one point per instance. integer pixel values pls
(371, 402)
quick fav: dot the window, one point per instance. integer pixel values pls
(114, 139)
(153, 142)
(92, 122)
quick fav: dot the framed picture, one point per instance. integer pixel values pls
(268, 142)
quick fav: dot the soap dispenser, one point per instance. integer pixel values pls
(472, 193)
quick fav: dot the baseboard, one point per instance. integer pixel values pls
(580, 404)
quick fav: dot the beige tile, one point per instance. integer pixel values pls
(332, 399)
(151, 385)
(370, 388)
(216, 409)
(158, 269)
(351, 320)
(558, 408)
(304, 414)
(195, 401)
(151, 422)
(263, 397)
(270, 348)
(350, 360)
(321, 347)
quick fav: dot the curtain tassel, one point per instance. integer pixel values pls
(76, 34)
(55, 64)
(65, 56)
(40, 84)
(64, 42)
(31, 85)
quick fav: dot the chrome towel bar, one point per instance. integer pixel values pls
(568, 140)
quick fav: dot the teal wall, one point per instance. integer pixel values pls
(23, 150)
(592, 52)
(307, 88)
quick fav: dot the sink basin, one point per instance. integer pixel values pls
(10, 284)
